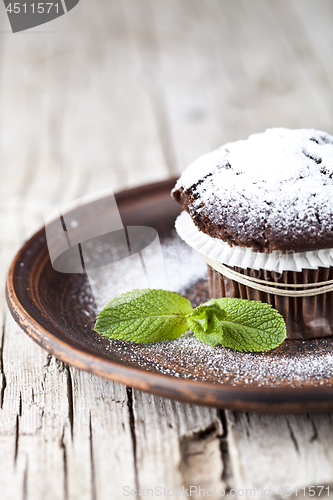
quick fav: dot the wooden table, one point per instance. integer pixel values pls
(116, 94)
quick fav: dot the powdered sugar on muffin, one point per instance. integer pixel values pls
(273, 191)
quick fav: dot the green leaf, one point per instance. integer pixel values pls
(144, 316)
(243, 325)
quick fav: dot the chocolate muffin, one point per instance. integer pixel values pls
(261, 212)
(273, 191)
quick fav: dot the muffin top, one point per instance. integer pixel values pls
(273, 191)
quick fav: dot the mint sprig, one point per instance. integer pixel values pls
(146, 315)
(243, 325)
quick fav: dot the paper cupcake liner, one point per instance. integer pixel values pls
(245, 257)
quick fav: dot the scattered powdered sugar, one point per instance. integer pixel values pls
(281, 178)
(175, 268)
(275, 155)
(298, 363)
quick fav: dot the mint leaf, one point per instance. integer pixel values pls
(151, 315)
(243, 325)
(144, 316)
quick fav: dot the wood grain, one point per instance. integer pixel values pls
(283, 450)
(123, 93)
(186, 437)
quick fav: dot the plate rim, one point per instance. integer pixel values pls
(226, 396)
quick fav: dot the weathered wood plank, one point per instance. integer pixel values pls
(316, 20)
(100, 448)
(236, 68)
(177, 445)
(193, 77)
(270, 451)
(33, 418)
(78, 131)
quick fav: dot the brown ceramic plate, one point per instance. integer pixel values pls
(296, 377)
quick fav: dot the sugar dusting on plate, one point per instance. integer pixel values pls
(294, 364)
(297, 364)
(176, 268)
